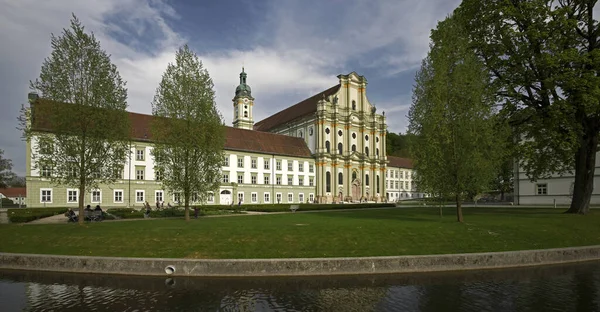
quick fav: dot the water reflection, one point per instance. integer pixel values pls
(555, 288)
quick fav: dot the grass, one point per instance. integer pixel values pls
(385, 232)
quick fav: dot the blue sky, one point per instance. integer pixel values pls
(290, 49)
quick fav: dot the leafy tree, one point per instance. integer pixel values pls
(544, 58)
(6, 175)
(83, 102)
(396, 144)
(188, 130)
(453, 141)
(17, 181)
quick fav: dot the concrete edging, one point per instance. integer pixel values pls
(297, 267)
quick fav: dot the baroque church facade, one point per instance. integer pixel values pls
(329, 148)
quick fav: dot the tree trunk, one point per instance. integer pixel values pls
(459, 215)
(81, 216)
(585, 165)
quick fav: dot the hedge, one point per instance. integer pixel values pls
(22, 215)
(302, 207)
(128, 213)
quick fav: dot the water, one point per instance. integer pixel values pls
(572, 287)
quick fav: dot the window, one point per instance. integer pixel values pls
(327, 130)
(367, 151)
(278, 196)
(340, 178)
(328, 146)
(194, 198)
(290, 197)
(46, 195)
(377, 183)
(253, 179)
(253, 164)
(353, 176)
(353, 105)
(158, 175)
(300, 181)
(240, 178)
(328, 182)
(301, 167)
(46, 146)
(240, 161)
(279, 165)
(267, 197)
(226, 161)
(72, 195)
(226, 177)
(278, 181)
(340, 133)
(311, 197)
(406, 185)
(139, 154)
(542, 189)
(118, 196)
(266, 164)
(240, 196)
(366, 137)
(340, 148)
(367, 179)
(354, 147)
(290, 165)
(211, 197)
(377, 152)
(301, 197)
(254, 197)
(290, 180)
(377, 139)
(117, 172)
(177, 197)
(311, 168)
(311, 182)
(139, 173)
(354, 135)
(159, 196)
(46, 171)
(245, 113)
(140, 196)
(73, 169)
(96, 196)
(267, 179)
(310, 131)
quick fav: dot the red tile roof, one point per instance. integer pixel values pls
(400, 162)
(14, 191)
(304, 108)
(236, 139)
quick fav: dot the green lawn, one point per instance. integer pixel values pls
(385, 232)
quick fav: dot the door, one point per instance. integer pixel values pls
(225, 197)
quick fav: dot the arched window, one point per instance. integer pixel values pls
(377, 151)
(367, 137)
(327, 130)
(340, 133)
(367, 151)
(377, 183)
(367, 179)
(354, 135)
(353, 105)
(328, 146)
(328, 182)
(340, 178)
(245, 114)
(353, 175)
(340, 148)
(354, 147)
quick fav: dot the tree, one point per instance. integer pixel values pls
(6, 175)
(451, 120)
(83, 102)
(543, 57)
(17, 181)
(188, 130)
(396, 144)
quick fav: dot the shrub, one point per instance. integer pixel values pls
(23, 215)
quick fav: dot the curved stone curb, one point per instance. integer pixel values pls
(297, 267)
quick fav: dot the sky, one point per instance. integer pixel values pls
(291, 49)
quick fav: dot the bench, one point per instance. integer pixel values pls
(92, 215)
(293, 208)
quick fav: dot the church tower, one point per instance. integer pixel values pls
(242, 105)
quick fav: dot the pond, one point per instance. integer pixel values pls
(573, 287)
